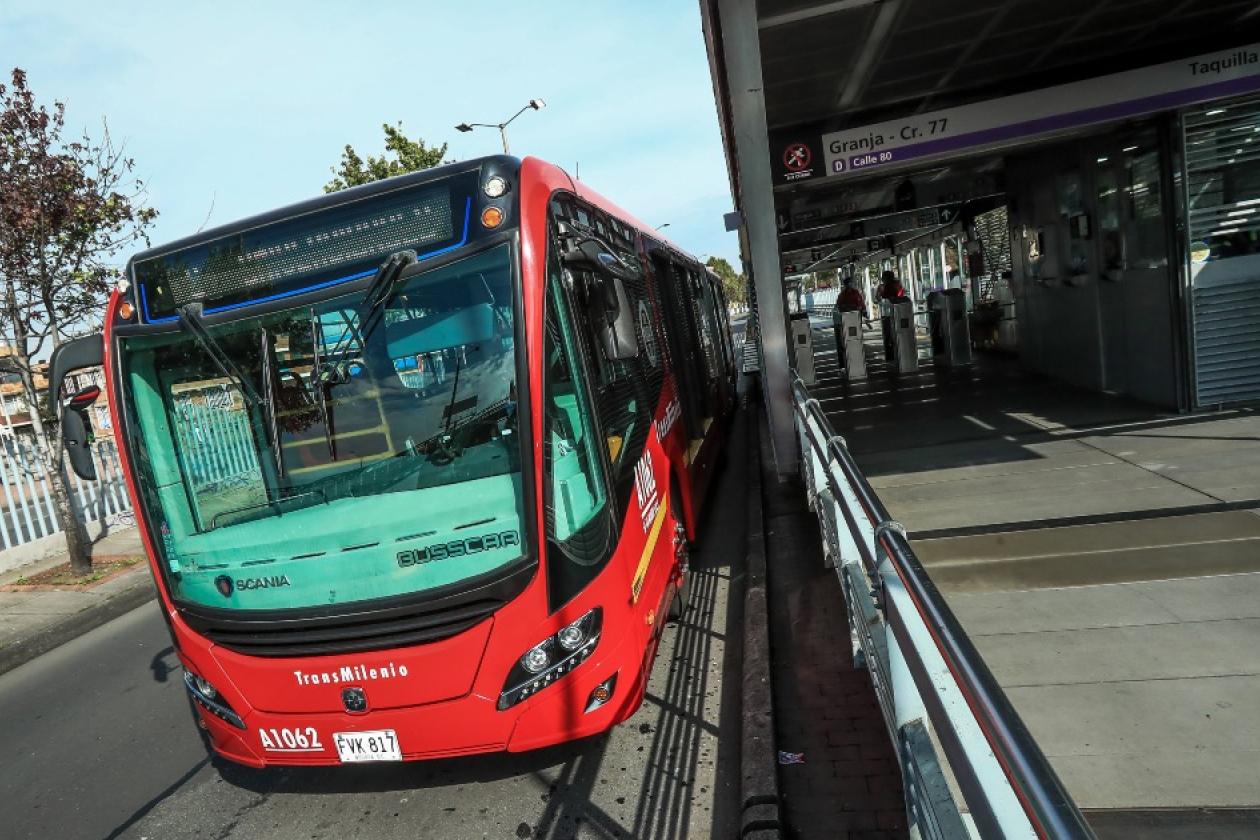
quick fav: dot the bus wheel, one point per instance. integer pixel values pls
(678, 605)
(682, 597)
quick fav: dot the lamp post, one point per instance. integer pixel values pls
(662, 227)
(534, 104)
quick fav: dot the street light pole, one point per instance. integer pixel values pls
(533, 104)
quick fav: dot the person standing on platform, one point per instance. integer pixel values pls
(851, 298)
(890, 287)
(890, 291)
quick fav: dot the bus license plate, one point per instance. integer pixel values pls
(376, 745)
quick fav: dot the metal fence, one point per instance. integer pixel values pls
(215, 445)
(970, 767)
(215, 442)
(26, 504)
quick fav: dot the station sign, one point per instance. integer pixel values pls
(1015, 119)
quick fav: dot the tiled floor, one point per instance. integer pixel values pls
(1103, 555)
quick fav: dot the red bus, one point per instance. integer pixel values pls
(416, 464)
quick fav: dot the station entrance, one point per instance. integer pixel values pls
(1120, 261)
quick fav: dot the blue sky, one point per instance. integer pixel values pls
(246, 106)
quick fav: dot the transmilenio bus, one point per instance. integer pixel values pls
(416, 463)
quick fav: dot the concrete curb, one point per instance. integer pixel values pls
(72, 626)
(759, 780)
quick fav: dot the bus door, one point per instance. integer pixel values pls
(714, 338)
(625, 394)
(683, 343)
(728, 345)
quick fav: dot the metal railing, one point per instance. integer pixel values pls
(27, 513)
(970, 766)
(215, 444)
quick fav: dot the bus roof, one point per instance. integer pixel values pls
(323, 202)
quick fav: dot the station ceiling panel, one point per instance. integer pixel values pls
(849, 62)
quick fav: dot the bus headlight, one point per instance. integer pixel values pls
(575, 635)
(552, 658)
(538, 658)
(207, 697)
(495, 186)
(204, 688)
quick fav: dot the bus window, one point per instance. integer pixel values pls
(579, 533)
(706, 318)
(626, 390)
(671, 281)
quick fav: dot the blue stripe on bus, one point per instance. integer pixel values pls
(144, 301)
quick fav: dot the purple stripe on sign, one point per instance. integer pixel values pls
(1076, 119)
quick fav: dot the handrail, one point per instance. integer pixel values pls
(1045, 799)
(1050, 810)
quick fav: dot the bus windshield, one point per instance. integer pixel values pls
(360, 461)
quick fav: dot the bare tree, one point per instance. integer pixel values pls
(68, 208)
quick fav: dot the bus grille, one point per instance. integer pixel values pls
(354, 628)
(372, 633)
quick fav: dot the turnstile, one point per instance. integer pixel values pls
(951, 336)
(900, 347)
(803, 347)
(849, 349)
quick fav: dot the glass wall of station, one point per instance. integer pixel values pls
(1222, 195)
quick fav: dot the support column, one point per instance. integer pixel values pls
(742, 52)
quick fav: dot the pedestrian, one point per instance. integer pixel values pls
(890, 291)
(851, 297)
(890, 287)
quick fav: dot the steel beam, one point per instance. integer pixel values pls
(742, 52)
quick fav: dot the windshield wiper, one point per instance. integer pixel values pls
(319, 386)
(269, 396)
(370, 313)
(190, 321)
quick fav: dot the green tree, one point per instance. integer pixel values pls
(402, 155)
(733, 283)
(67, 209)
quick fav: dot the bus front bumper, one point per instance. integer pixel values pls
(465, 726)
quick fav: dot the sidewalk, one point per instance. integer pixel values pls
(848, 784)
(34, 620)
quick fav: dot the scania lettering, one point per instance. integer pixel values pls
(409, 460)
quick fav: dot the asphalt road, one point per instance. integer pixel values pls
(97, 741)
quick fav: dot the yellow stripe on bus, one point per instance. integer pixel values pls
(640, 574)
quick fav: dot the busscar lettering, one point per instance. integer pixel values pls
(457, 548)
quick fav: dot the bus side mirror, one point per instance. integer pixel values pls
(617, 334)
(76, 437)
(607, 295)
(76, 426)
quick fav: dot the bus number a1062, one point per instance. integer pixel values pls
(284, 739)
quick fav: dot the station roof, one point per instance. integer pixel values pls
(844, 62)
(832, 65)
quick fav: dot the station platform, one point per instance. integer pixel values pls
(1103, 555)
